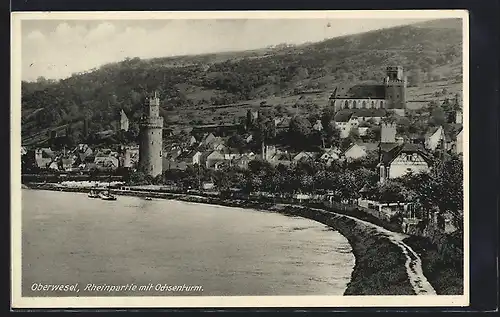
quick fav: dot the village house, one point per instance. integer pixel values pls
(345, 122)
(182, 160)
(207, 139)
(358, 150)
(283, 158)
(214, 158)
(106, 159)
(329, 155)
(363, 131)
(192, 141)
(67, 163)
(83, 150)
(43, 157)
(244, 160)
(304, 156)
(230, 154)
(248, 137)
(106, 162)
(455, 145)
(130, 156)
(403, 159)
(283, 124)
(318, 126)
(124, 123)
(459, 142)
(434, 138)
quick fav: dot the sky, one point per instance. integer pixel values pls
(57, 48)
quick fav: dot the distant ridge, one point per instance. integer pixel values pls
(191, 87)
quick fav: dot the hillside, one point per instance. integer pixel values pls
(215, 88)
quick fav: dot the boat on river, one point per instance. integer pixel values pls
(107, 196)
(93, 194)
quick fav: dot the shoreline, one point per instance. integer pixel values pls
(384, 264)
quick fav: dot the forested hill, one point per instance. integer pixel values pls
(225, 78)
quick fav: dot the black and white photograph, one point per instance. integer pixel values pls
(240, 159)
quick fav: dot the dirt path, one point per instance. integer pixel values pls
(413, 264)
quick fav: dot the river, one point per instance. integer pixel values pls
(68, 238)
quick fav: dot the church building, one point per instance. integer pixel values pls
(390, 95)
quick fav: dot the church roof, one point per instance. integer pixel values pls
(361, 91)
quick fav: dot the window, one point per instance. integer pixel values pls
(346, 105)
(354, 104)
(381, 104)
(364, 104)
(373, 104)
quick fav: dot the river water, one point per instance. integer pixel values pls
(68, 238)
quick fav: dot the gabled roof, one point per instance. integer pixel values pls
(432, 130)
(303, 154)
(282, 156)
(229, 151)
(186, 155)
(386, 147)
(342, 116)
(369, 146)
(389, 156)
(361, 91)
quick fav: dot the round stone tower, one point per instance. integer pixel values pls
(150, 136)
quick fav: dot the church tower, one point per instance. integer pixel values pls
(395, 89)
(151, 142)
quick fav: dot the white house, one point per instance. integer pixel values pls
(434, 138)
(345, 122)
(318, 126)
(401, 160)
(329, 155)
(460, 141)
(358, 150)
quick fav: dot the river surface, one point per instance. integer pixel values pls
(68, 238)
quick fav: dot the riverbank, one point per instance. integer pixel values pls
(442, 261)
(384, 265)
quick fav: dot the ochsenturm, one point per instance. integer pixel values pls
(178, 288)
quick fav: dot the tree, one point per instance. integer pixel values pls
(249, 120)
(236, 141)
(299, 131)
(438, 116)
(354, 134)
(391, 191)
(139, 178)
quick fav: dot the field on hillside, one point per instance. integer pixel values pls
(221, 87)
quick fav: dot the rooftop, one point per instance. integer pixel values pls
(361, 91)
